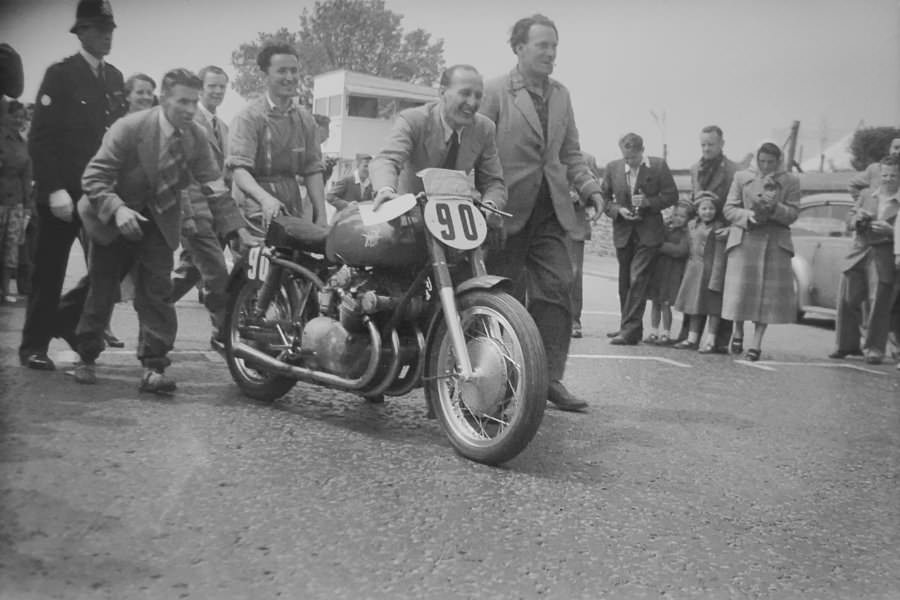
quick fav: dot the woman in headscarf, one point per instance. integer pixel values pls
(759, 282)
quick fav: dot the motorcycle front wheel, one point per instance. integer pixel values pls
(263, 332)
(493, 417)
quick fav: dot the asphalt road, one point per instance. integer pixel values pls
(690, 477)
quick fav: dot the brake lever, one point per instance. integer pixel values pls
(489, 208)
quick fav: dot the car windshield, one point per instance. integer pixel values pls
(826, 219)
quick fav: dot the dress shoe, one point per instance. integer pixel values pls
(563, 399)
(156, 383)
(612, 334)
(686, 345)
(845, 353)
(576, 331)
(111, 340)
(622, 341)
(39, 361)
(874, 357)
(85, 373)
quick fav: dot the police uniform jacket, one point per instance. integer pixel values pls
(73, 110)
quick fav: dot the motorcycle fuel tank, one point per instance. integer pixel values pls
(397, 243)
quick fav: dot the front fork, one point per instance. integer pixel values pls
(447, 294)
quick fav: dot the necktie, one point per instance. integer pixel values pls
(101, 75)
(452, 151)
(216, 133)
(171, 169)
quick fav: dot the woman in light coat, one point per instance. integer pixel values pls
(759, 282)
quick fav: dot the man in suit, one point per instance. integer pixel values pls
(79, 98)
(538, 145)
(355, 187)
(637, 189)
(447, 133)
(868, 270)
(133, 214)
(202, 259)
(713, 173)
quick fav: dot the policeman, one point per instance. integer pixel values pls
(78, 100)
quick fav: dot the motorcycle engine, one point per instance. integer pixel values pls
(338, 341)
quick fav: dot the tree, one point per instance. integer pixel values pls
(871, 145)
(358, 35)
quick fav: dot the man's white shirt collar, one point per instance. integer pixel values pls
(92, 60)
(448, 130)
(359, 181)
(644, 163)
(167, 128)
(206, 112)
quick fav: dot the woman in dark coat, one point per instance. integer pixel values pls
(759, 282)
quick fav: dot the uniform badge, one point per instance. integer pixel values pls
(45, 100)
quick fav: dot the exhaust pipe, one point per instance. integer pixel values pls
(270, 363)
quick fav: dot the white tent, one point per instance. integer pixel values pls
(837, 157)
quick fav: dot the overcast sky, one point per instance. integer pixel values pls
(749, 66)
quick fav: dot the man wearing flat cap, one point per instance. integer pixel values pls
(355, 187)
(79, 98)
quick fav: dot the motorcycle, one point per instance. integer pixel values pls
(386, 301)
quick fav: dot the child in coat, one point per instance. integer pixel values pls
(667, 273)
(696, 297)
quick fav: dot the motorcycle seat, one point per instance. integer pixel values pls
(296, 233)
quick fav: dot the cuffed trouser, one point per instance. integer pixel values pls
(203, 260)
(537, 261)
(152, 259)
(51, 258)
(635, 269)
(859, 283)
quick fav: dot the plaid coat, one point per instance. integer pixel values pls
(759, 281)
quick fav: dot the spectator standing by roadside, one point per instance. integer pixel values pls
(15, 195)
(697, 299)
(355, 187)
(578, 237)
(79, 98)
(537, 141)
(869, 269)
(668, 273)
(272, 141)
(759, 281)
(714, 173)
(140, 92)
(871, 177)
(637, 189)
(202, 257)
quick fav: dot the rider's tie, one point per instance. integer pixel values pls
(171, 166)
(452, 151)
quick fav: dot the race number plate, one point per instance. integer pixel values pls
(456, 222)
(257, 264)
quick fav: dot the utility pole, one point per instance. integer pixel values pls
(661, 124)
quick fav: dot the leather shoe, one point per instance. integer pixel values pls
(111, 340)
(157, 383)
(612, 334)
(39, 361)
(622, 341)
(84, 373)
(845, 353)
(873, 357)
(563, 399)
(576, 331)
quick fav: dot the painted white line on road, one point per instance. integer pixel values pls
(755, 365)
(661, 359)
(826, 364)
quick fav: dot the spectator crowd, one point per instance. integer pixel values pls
(135, 174)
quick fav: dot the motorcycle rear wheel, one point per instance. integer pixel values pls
(253, 381)
(493, 418)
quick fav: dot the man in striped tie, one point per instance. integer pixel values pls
(132, 211)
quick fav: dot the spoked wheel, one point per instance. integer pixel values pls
(493, 417)
(266, 332)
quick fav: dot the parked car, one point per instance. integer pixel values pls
(821, 241)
